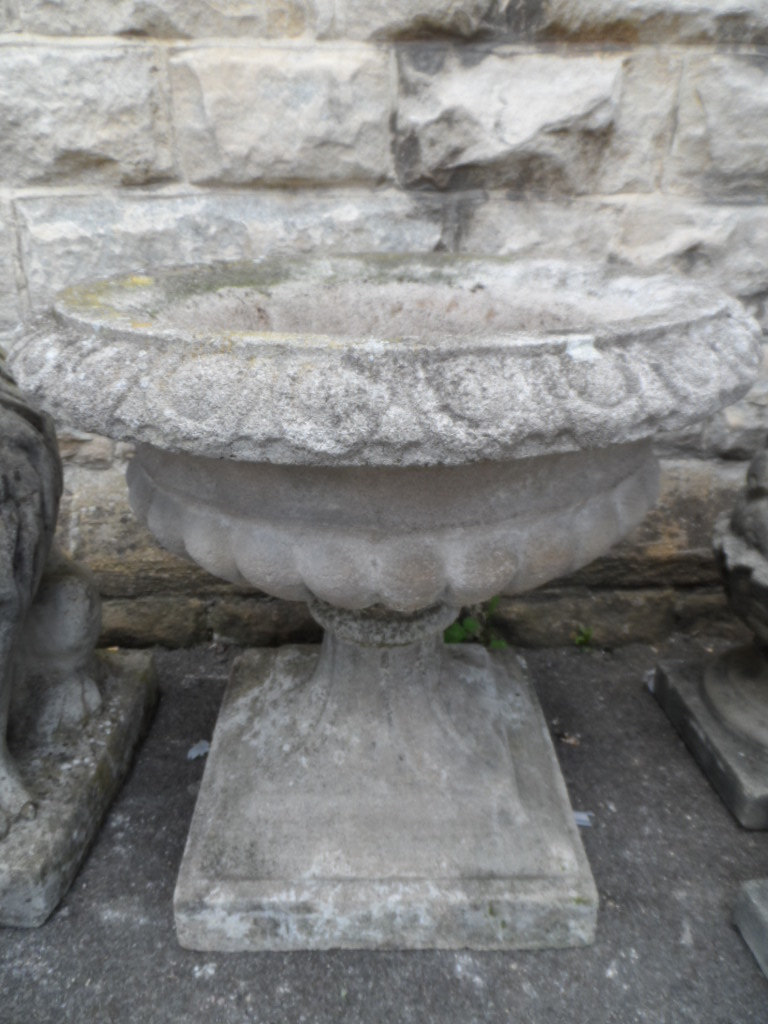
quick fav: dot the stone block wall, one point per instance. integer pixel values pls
(138, 134)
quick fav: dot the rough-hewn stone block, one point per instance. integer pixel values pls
(264, 19)
(651, 21)
(531, 227)
(404, 19)
(261, 621)
(283, 114)
(727, 244)
(68, 239)
(723, 244)
(643, 125)
(554, 618)
(533, 122)
(721, 143)
(175, 621)
(673, 544)
(97, 527)
(83, 114)
(9, 16)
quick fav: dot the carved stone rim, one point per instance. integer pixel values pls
(317, 399)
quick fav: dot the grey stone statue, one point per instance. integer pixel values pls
(721, 708)
(49, 608)
(70, 716)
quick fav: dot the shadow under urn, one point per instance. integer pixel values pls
(389, 438)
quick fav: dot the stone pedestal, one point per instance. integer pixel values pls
(73, 777)
(389, 438)
(404, 797)
(721, 711)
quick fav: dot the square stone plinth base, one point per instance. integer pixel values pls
(441, 822)
(750, 916)
(73, 779)
(716, 708)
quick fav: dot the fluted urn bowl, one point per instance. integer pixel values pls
(390, 430)
(388, 438)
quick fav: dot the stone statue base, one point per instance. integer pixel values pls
(382, 797)
(73, 775)
(750, 915)
(721, 711)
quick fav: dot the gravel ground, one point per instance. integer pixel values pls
(666, 856)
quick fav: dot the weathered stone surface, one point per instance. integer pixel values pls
(728, 247)
(720, 146)
(10, 307)
(301, 114)
(671, 547)
(741, 548)
(264, 19)
(148, 591)
(74, 776)
(66, 239)
(83, 114)
(382, 822)
(174, 621)
(403, 19)
(590, 21)
(721, 711)
(643, 124)
(610, 617)
(9, 16)
(652, 21)
(586, 228)
(750, 915)
(96, 527)
(406, 539)
(271, 19)
(724, 245)
(599, 358)
(69, 238)
(721, 708)
(80, 449)
(535, 122)
(30, 486)
(530, 122)
(260, 621)
(673, 544)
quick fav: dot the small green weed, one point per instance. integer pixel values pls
(475, 629)
(583, 636)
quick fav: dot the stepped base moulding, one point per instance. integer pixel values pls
(388, 438)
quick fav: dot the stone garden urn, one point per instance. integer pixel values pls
(388, 438)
